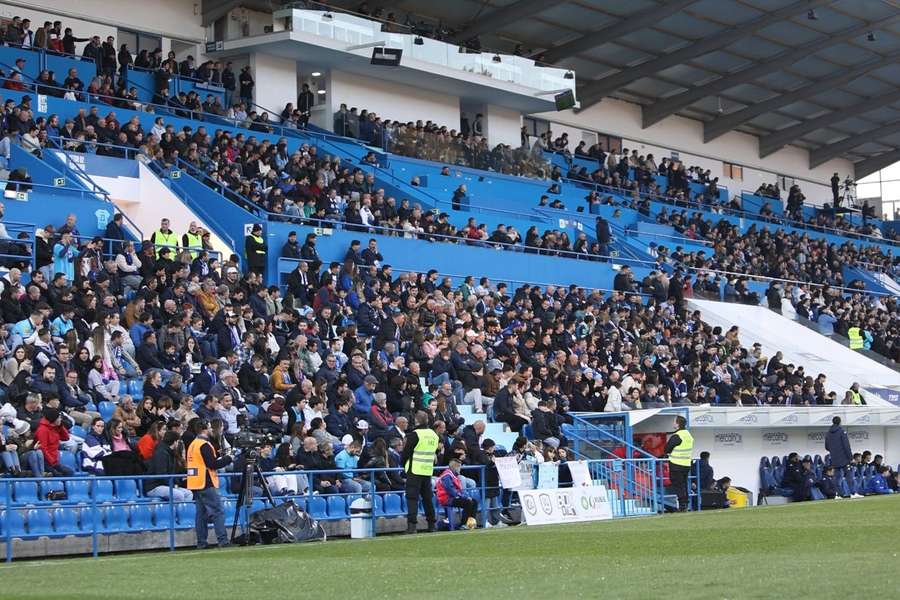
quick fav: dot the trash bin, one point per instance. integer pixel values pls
(361, 518)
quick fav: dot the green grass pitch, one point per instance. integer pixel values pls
(819, 550)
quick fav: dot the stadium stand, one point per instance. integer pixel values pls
(387, 267)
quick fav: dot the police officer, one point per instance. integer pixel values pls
(164, 238)
(192, 240)
(680, 448)
(419, 453)
(203, 480)
(255, 248)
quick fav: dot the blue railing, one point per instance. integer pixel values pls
(107, 505)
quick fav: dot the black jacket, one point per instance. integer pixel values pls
(161, 463)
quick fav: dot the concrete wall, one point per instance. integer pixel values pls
(276, 81)
(503, 125)
(391, 100)
(623, 119)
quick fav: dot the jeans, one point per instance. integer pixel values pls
(492, 505)
(35, 461)
(209, 509)
(10, 460)
(60, 470)
(162, 491)
(351, 486)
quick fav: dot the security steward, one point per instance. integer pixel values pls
(255, 248)
(680, 448)
(192, 240)
(855, 334)
(164, 238)
(203, 480)
(419, 453)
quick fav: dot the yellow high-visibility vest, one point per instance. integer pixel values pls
(195, 244)
(165, 240)
(423, 456)
(856, 338)
(682, 454)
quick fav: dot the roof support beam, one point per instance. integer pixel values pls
(825, 153)
(781, 138)
(870, 165)
(658, 111)
(614, 31)
(517, 11)
(722, 125)
(598, 89)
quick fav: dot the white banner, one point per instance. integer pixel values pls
(569, 505)
(548, 476)
(508, 470)
(581, 477)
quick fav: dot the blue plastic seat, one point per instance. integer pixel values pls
(68, 459)
(185, 515)
(141, 518)
(393, 504)
(126, 490)
(316, 506)
(528, 432)
(135, 386)
(228, 508)
(25, 492)
(337, 506)
(252, 409)
(65, 521)
(51, 485)
(78, 491)
(114, 519)
(106, 410)
(103, 490)
(39, 522)
(379, 504)
(78, 431)
(16, 523)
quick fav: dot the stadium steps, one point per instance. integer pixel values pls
(496, 431)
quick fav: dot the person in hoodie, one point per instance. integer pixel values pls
(827, 483)
(837, 444)
(50, 433)
(877, 483)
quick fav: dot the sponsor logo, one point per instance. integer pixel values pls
(729, 439)
(790, 419)
(749, 419)
(816, 436)
(864, 419)
(530, 506)
(590, 502)
(699, 420)
(775, 437)
(546, 504)
(858, 436)
(566, 504)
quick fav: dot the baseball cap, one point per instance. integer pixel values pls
(494, 365)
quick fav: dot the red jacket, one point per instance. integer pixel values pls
(448, 487)
(50, 435)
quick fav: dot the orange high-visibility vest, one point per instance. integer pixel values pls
(196, 468)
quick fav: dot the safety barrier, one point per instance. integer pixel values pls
(106, 506)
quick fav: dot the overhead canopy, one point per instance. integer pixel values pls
(819, 74)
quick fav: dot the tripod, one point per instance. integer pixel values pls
(245, 496)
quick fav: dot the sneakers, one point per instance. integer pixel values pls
(857, 496)
(838, 498)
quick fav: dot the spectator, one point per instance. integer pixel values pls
(449, 491)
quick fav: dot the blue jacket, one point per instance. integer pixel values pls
(363, 400)
(877, 485)
(345, 460)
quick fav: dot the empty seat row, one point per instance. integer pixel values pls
(81, 491)
(71, 520)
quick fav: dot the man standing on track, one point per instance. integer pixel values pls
(680, 449)
(419, 453)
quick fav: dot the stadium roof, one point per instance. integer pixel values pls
(818, 74)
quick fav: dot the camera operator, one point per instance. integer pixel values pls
(203, 480)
